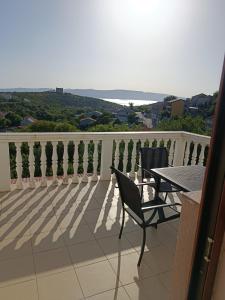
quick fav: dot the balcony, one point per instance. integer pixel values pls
(60, 216)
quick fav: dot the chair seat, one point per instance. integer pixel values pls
(165, 187)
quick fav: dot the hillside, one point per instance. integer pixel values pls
(50, 105)
(109, 94)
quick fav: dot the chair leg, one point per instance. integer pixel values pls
(142, 247)
(141, 193)
(122, 225)
(165, 196)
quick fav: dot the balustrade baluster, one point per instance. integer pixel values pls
(85, 162)
(125, 157)
(95, 161)
(202, 154)
(43, 165)
(187, 153)
(75, 163)
(117, 154)
(65, 162)
(54, 163)
(31, 164)
(171, 152)
(194, 154)
(133, 159)
(19, 166)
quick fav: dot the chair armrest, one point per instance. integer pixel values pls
(159, 206)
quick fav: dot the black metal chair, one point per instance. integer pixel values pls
(155, 157)
(132, 204)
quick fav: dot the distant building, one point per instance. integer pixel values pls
(156, 109)
(86, 122)
(59, 90)
(122, 114)
(201, 99)
(28, 121)
(192, 110)
(94, 114)
(175, 107)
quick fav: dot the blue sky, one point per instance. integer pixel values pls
(168, 46)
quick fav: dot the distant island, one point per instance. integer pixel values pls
(108, 94)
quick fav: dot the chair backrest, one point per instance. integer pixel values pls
(153, 158)
(129, 193)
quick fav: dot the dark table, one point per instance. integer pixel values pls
(186, 178)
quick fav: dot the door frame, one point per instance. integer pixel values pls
(211, 227)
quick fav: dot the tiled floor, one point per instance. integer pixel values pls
(61, 243)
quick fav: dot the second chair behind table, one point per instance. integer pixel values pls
(155, 157)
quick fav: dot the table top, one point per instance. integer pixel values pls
(187, 178)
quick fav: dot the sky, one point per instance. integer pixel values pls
(166, 46)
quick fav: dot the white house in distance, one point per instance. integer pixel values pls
(28, 121)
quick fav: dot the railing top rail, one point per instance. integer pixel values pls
(196, 137)
(62, 136)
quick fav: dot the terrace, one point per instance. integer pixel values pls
(60, 216)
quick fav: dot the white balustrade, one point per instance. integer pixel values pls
(179, 145)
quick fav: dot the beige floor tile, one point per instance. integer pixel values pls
(44, 225)
(167, 235)
(127, 270)
(16, 270)
(70, 219)
(16, 198)
(77, 235)
(15, 230)
(41, 211)
(50, 262)
(47, 241)
(147, 289)
(13, 216)
(61, 286)
(166, 280)
(97, 278)
(96, 215)
(135, 238)
(21, 291)
(86, 253)
(116, 294)
(159, 259)
(104, 229)
(10, 248)
(113, 246)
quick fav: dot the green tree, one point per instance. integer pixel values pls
(4, 122)
(49, 126)
(13, 118)
(170, 98)
(188, 123)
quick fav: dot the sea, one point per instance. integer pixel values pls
(126, 102)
